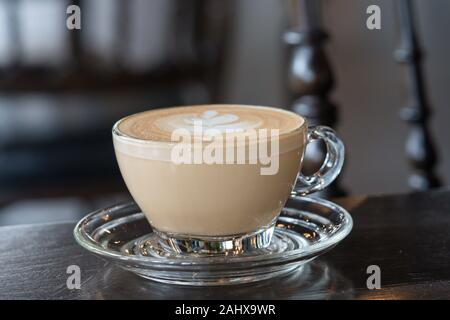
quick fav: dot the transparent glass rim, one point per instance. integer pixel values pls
(117, 133)
(86, 241)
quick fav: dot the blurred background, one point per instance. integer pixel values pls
(62, 90)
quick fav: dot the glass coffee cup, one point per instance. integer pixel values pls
(213, 179)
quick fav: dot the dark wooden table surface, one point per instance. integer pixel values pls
(407, 236)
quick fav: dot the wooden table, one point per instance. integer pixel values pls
(407, 236)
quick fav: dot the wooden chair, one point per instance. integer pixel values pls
(310, 87)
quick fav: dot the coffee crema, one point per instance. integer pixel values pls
(159, 124)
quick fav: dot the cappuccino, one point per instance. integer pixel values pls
(225, 197)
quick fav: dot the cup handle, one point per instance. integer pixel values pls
(331, 167)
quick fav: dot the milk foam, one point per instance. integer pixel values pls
(148, 135)
(158, 125)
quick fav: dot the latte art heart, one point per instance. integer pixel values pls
(213, 119)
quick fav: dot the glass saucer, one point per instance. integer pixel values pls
(306, 228)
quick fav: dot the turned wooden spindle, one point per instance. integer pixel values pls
(311, 78)
(420, 150)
